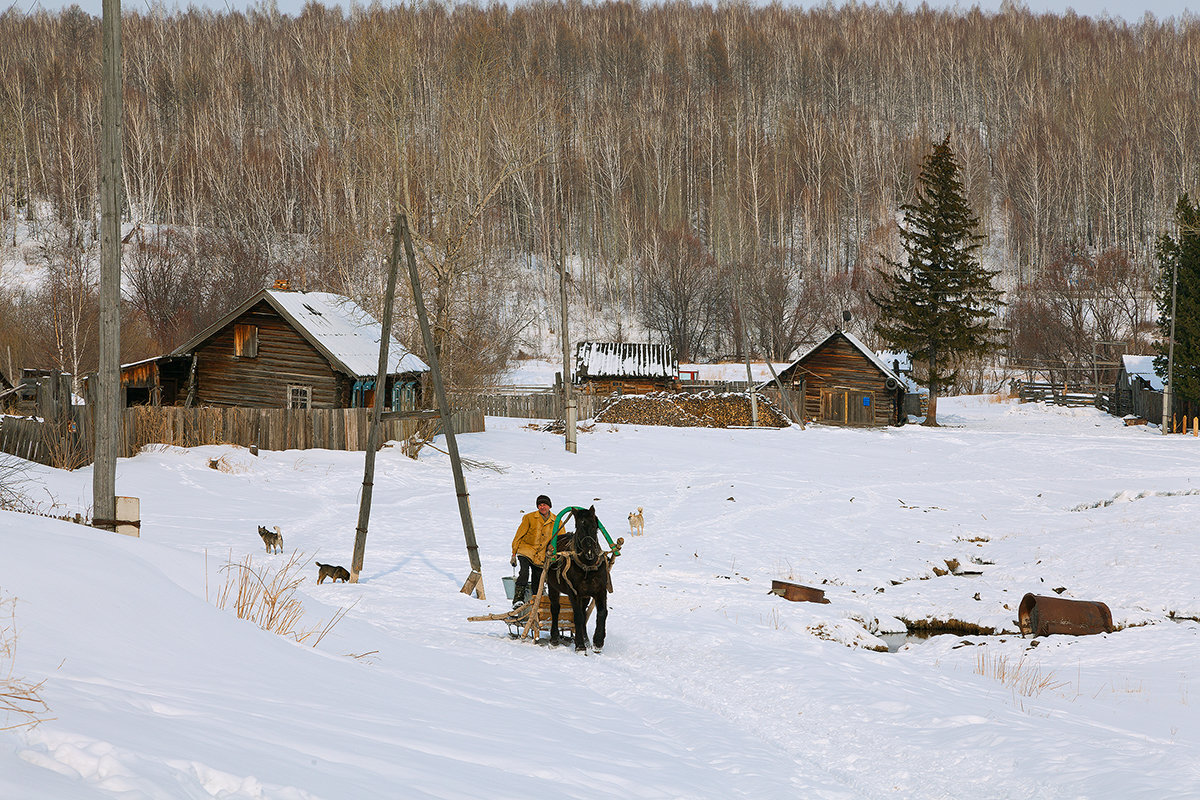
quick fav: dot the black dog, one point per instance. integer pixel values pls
(330, 571)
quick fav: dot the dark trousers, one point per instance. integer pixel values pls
(530, 574)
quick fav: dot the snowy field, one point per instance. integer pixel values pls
(708, 686)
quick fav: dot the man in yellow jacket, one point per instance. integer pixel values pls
(529, 547)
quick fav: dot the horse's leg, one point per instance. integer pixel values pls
(601, 617)
(579, 611)
(554, 604)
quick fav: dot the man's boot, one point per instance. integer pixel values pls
(519, 594)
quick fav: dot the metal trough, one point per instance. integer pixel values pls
(1040, 615)
(797, 593)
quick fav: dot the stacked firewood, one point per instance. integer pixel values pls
(702, 410)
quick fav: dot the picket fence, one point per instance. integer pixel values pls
(68, 443)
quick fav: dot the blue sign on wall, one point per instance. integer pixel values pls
(866, 401)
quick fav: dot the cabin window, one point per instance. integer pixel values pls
(245, 341)
(299, 397)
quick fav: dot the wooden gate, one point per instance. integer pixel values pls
(847, 407)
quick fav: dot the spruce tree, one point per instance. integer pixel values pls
(940, 303)
(1179, 257)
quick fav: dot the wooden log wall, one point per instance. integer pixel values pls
(283, 357)
(839, 367)
(70, 447)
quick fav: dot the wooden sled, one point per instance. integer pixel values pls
(531, 619)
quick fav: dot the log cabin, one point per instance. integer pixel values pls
(626, 368)
(281, 349)
(845, 383)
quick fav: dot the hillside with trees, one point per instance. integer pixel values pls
(745, 163)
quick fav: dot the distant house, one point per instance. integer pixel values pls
(845, 383)
(1139, 389)
(22, 398)
(605, 367)
(281, 349)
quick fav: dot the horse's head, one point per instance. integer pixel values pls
(587, 540)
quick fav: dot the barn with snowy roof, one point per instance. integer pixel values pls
(845, 383)
(625, 367)
(1139, 389)
(281, 349)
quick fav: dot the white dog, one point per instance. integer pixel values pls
(636, 523)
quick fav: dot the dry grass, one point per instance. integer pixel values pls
(20, 700)
(226, 464)
(267, 597)
(14, 481)
(152, 428)
(65, 447)
(1022, 677)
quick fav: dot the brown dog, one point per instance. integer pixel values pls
(330, 571)
(272, 540)
(636, 523)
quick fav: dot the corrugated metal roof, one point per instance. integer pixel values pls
(625, 360)
(345, 330)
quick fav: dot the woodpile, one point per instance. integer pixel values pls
(683, 410)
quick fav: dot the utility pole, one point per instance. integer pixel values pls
(1166, 412)
(106, 418)
(385, 337)
(474, 582)
(746, 347)
(569, 408)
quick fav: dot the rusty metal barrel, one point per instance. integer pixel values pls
(798, 593)
(1040, 615)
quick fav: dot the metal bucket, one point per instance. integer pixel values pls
(510, 586)
(1040, 615)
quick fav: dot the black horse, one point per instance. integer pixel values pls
(579, 570)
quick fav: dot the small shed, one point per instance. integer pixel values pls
(845, 383)
(606, 367)
(1139, 389)
(281, 349)
(8, 391)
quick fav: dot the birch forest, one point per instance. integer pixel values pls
(716, 177)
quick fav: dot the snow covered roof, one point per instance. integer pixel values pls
(900, 360)
(1143, 367)
(858, 345)
(625, 360)
(337, 326)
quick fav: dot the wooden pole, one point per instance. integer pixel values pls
(746, 346)
(1169, 387)
(474, 582)
(569, 410)
(108, 376)
(787, 404)
(385, 337)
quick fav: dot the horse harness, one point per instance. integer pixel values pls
(563, 560)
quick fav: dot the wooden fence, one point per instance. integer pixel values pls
(68, 443)
(532, 405)
(1054, 394)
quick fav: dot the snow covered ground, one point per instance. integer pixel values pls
(708, 686)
